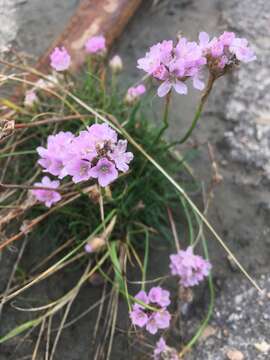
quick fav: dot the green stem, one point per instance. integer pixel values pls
(165, 117)
(198, 113)
(145, 262)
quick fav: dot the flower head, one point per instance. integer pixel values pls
(48, 197)
(189, 267)
(95, 153)
(96, 45)
(173, 65)
(152, 320)
(225, 50)
(60, 59)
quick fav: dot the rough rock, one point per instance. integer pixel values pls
(248, 106)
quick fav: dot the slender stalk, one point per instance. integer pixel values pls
(145, 262)
(198, 113)
(165, 117)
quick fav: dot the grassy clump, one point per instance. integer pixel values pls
(135, 206)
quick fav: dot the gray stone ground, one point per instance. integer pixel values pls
(236, 123)
(248, 105)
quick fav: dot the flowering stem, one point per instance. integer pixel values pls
(165, 117)
(208, 89)
(210, 308)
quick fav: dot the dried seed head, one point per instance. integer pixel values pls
(6, 128)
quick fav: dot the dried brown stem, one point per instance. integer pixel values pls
(49, 121)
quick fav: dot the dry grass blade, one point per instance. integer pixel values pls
(41, 331)
(11, 278)
(66, 313)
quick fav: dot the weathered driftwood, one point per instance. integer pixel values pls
(92, 17)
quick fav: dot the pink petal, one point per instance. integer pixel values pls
(180, 87)
(197, 83)
(203, 38)
(164, 88)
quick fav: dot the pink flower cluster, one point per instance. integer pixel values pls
(225, 49)
(142, 316)
(189, 267)
(96, 45)
(173, 65)
(94, 153)
(163, 351)
(48, 197)
(60, 59)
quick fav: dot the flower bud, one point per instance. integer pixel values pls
(116, 64)
(30, 99)
(134, 93)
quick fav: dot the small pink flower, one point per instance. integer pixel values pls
(105, 171)
(138, 317)
(96, 45)
(159, 296)
(227, 38)
(48, 197)
(120, 156)
(191, 269)
(160, 348)
(242, 51)
(152, 325)
(30, 98)
(53, 157)
(142, 296)
(158, 56)
(100, 134)
(79, 169)
(60, 59)
(163, 351)
(163, 319)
